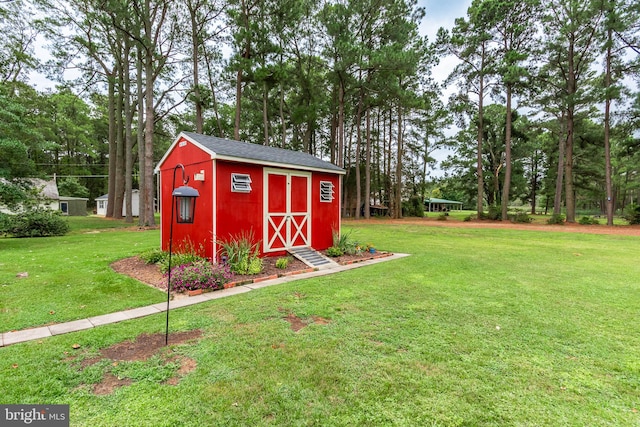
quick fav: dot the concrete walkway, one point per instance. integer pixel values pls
(14, 337)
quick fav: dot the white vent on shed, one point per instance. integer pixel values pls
(240, 183)
(326, 191)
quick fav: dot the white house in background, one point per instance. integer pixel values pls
(101, 204)
(48, 191)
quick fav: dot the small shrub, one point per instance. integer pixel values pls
(5, 222)
(521, 218)
(587, 220)
(494, 213)
(467, 218)
(344, 241)
(154, 256)
(556, 219)
(255, 266)
(632, 214)
(413, 207)
(334, 251)
(178, 259)
(442, 217)
(283, 263)
(37, 223)
(199, 275)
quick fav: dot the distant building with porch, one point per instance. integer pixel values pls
(441, 205)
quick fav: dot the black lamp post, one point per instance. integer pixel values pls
(185, 205)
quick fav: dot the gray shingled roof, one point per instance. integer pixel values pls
(245, 150)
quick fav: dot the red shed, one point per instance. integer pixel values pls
(288, 199)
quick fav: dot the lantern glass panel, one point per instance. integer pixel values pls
(185, 208)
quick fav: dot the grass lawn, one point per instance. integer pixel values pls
(69, 277)
(479, 327)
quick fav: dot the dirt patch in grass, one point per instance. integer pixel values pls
(109, 383)
(298, 323)
(146, 345)
(143, 348)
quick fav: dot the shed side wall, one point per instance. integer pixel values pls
(239, 212)
(199, 234)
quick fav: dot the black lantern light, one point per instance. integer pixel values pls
(185, 198)
(185, 206)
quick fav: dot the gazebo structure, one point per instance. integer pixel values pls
(441, 205)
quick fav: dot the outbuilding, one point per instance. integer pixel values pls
(441, 205)
(286, 199)
(73, 206)
(102, 202)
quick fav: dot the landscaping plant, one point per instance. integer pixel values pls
(242, 253)
(283, 262)
(200, 274)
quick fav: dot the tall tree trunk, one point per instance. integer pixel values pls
(265, 111)
(562, 144)
(341, 124)
(506, 187)
(128, 137)
(479, 170)
(534, 181)
(142, 182)
(149, 190)
(212, 87)
(367, 167)
(357, 156)
(569, 193)
(195, 64)
(400, 153)
(111, 81)
(607, 125)
(236, 127)
(120, 167)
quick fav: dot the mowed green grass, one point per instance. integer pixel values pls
(475, 328)
(69, 277)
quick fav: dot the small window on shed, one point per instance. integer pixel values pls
(326, 191)
(240, 183)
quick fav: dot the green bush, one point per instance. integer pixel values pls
(442, 216)
(5, 221)
(37, 223)
(587, 220)
(344, 242)
(467, 218)
(632, 214)
(242, 253)
(283, 263)
(521, 218)
(556, 219)
(154, 256)
(334, 251)
(178, 259)
(413, 207)
(494, 213)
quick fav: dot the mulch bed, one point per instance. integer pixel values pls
(150, 274)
